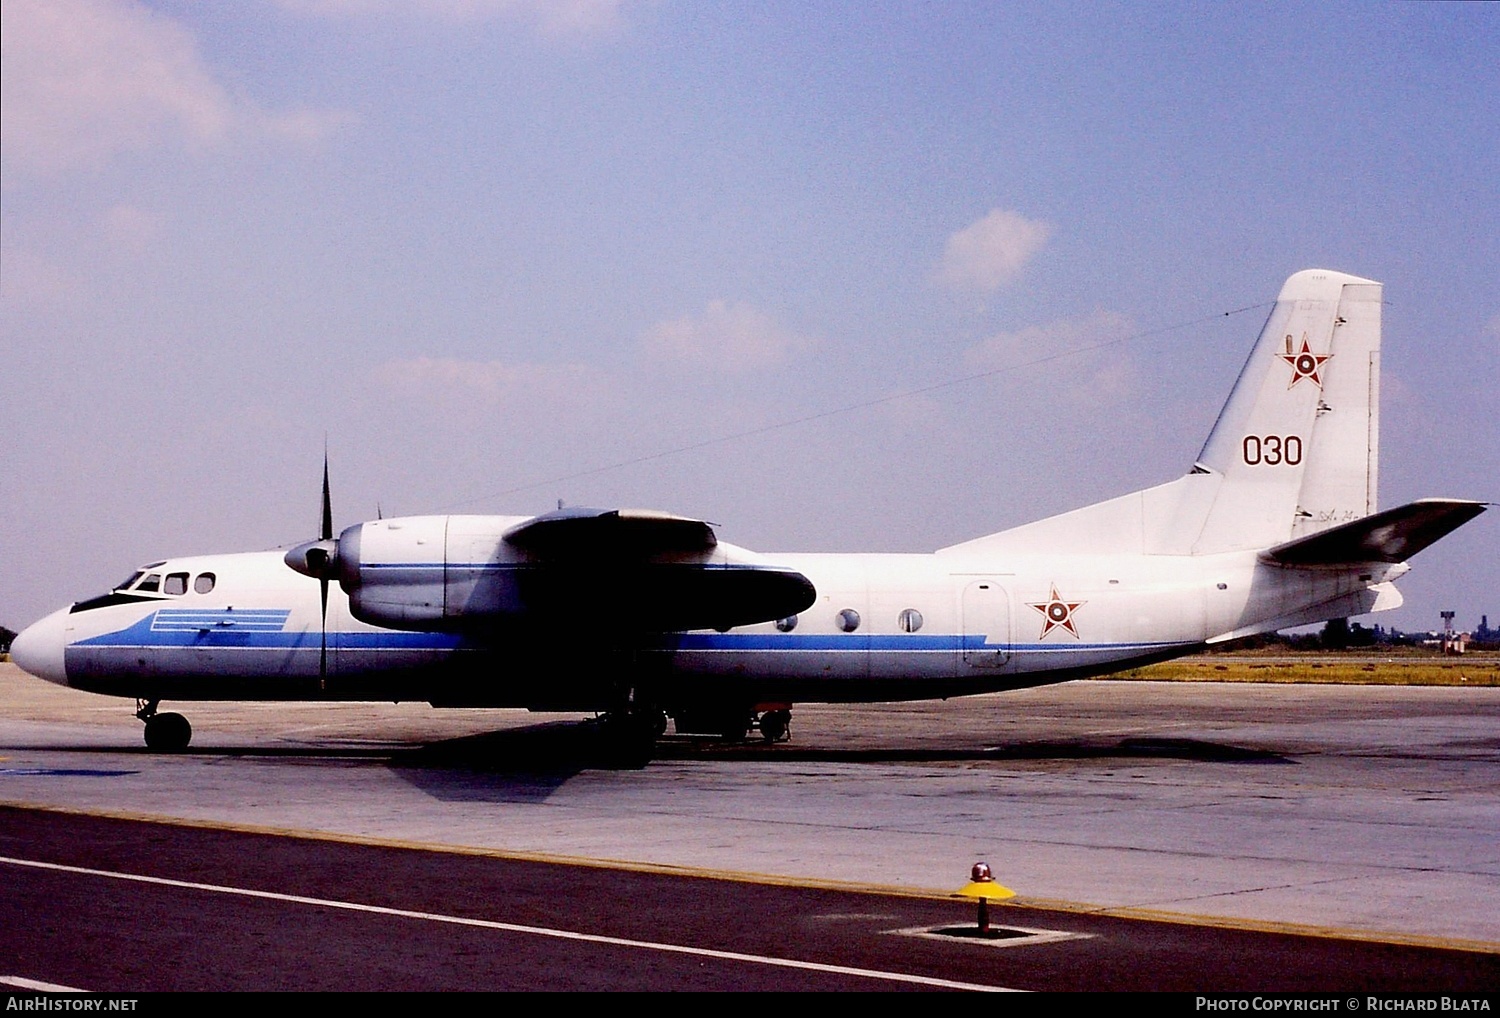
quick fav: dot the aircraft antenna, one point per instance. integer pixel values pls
(862, 405)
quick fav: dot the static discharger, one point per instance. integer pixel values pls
(984, 889)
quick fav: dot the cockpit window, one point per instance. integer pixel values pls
(151, 583)
(130, 582)
(176, 584)
(204, 583)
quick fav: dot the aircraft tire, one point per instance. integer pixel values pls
(774, 725)
(627, 741)
(734, 726)
(168, 733)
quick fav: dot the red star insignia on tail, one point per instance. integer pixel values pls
(1305, 363)
(1057, 613)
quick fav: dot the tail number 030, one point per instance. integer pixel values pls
(1272, 450)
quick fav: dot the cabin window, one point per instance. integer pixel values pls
(204, 583)
(787, 624)
(848, 620)
(910, 620)
(151, 583)
(176, 584)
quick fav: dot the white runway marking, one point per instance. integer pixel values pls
(538, 931)
(22, 983)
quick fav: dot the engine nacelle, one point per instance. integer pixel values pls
(579, 569)
(430, 572)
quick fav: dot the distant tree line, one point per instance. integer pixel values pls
(1341, 634)
(6, 636)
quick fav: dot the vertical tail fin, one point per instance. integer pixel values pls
(1294, 450)
(1292, 453)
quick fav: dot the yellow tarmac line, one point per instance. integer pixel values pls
(780, 880)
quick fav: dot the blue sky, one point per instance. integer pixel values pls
(490, 247)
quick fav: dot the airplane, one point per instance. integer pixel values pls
(639, 615)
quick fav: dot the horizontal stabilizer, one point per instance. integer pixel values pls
(576, 533)
(1394, 535)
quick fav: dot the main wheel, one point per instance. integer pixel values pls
(734, 725)
(168, 733)
(774, 724)
(627, 740)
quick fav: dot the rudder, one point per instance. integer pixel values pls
(1295, 448)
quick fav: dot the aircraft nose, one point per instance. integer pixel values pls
(38, 648)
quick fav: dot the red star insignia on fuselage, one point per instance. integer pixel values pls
(1305, 363)
(1057, 613)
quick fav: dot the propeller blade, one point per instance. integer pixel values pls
(320, 560)
(323, 637)
(327, 532)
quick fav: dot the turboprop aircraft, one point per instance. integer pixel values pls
(644, 615)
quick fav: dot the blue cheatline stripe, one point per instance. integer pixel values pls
(261, 627)
(178, 632)
(391, 640)
(146, 633)
(892, 642)
(245, 620)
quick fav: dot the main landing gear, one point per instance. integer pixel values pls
(627, 736)
(165, 733)
(775, 724)
(734, 723)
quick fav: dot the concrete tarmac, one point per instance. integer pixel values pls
(1370, 813)
(134, 906)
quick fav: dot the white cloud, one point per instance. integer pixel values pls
(725, 337)
(1044, 342)
(551, 17)
(84, 80)
(988, 253)
(1084, 349)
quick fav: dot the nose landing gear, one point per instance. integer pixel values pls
(165, 733)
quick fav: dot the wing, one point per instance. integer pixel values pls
(636, 569)
(577, 570)
(642, 534)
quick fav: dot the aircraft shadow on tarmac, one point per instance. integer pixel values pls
(529, 763)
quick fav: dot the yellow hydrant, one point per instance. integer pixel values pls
(982, 886)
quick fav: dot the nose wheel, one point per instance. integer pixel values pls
(165, 733)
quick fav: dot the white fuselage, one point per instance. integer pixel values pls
(883, 627)
(1275, 525)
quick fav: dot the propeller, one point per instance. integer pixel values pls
(320, 559)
